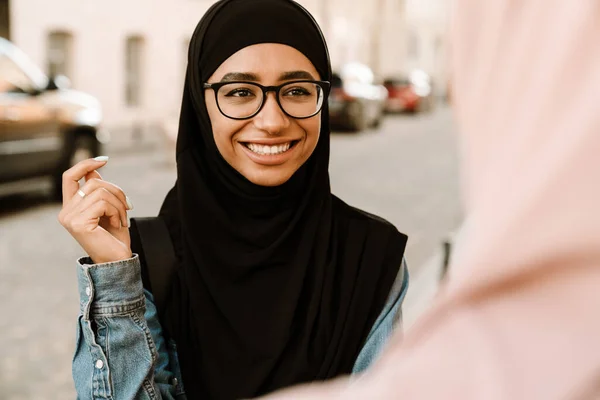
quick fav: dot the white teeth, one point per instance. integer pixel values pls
(269, 150)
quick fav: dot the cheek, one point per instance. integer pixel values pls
(312, 127)
(223, 128)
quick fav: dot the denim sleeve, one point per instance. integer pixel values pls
(120, 352)
(389, 320)
(167, 374)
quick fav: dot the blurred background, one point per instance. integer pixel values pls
(81, 78)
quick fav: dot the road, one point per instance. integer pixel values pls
(406, 172)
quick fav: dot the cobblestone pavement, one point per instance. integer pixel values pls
(405, 171)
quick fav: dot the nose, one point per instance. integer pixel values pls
(271, 118)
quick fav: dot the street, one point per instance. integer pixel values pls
(406, 172)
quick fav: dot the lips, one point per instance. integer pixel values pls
(270, 153)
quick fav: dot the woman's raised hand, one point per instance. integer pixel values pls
(95, 214)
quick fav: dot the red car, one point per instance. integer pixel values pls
(404, 95)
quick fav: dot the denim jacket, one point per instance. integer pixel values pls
(120, 352)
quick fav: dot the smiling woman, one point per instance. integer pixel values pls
(274, 280)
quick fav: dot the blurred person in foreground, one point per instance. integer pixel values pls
(519, 316)
(277, 281)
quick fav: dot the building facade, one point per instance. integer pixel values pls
(132, 54)
(129, 54)
(427, 25)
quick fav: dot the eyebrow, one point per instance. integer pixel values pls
(251, 77)
(287, 76)
(240, 76)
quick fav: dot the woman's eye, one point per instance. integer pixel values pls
(240, 93)
(297, 92)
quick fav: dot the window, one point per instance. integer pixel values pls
(413, 45)
(133, 70)
(58, 54)
(438, 46)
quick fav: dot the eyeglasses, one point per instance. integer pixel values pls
(243, 100)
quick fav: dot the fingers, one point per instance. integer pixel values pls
(72, 176)
(104, 209)
(94, 184)
(85, 218)
(102, 194)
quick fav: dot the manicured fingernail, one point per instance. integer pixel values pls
(101, 159)
(126, 223)
(129, 203)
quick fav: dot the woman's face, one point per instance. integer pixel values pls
(270, 147)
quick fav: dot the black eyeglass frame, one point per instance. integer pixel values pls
(324, 85)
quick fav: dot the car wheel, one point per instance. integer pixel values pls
(377, 122)
(358, 119)
(84, 146)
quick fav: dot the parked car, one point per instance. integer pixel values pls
(409, 94)
(355, 101)
(45, 127)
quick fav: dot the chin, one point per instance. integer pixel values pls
(269, 179)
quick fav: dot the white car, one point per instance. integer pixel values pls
(45, 127)
(355, 101)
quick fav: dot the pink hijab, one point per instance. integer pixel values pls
(519, 315)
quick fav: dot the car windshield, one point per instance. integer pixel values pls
(12, 78)
(17, 71)
(396, 82)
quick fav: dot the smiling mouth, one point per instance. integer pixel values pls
(266, 150)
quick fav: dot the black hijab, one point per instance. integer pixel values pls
(276, 285)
